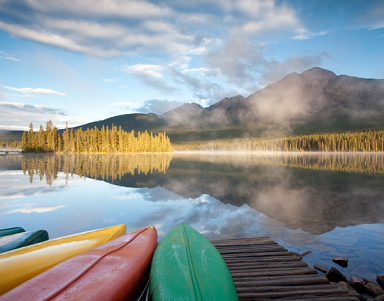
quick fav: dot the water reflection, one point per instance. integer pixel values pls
(312, 192)
(111, 166)
(369, 163)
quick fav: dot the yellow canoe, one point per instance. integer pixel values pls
(19, 265)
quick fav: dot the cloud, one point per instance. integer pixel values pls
(109, 80)
(158, 106)
(229, 39)
(247, 65)
(34, 91)
(274, 70)
(204, 90)
(150, 75)
(267, 18)
(173, 29)
(99, 8)
(143, 69)
(238, 61)
(97, 28)
(12, 113)
(6, 56)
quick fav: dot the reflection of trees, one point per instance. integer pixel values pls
(352, 163)
(94, 166)
(314, 197)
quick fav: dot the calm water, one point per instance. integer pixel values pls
(329, 204)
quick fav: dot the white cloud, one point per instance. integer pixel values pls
(6, 56)
(229, 35)
(22, 114)
(34, 91)
(199, 70)
(13, 127)
(109, 80)
(110, 8)
(152, 70)
(55, 40)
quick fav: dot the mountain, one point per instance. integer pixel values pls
(317, 96)
(314, 101)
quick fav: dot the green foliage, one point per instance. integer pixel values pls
(104, 140)
(372, 141)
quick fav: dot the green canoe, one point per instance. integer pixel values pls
(186, 266)
(23, 239)
(10, 231)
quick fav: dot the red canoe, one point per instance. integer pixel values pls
(116, 270)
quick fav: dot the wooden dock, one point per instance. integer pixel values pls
(263, 270)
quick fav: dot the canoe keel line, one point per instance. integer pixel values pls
(186, 266)
(191, 269)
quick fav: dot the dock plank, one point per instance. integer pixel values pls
(263, 270)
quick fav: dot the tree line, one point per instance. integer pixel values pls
(104, 140)
(372, 141)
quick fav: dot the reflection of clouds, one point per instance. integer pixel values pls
(11, 173)
(15, 184)
(159, 194)
(209, 216)
(15, 196)
(29, 209)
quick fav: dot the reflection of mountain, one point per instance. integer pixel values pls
(316, 201)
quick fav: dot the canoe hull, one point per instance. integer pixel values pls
(186, 266)
(19, 240)
(10, 231)
(19, 265)
(111, 271)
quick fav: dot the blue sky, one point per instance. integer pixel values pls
(87, 60)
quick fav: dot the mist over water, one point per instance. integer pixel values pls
(329, 203)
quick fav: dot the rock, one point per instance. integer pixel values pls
(365, 286)
(357, 284)
(341, 261)
(372, 288)
(346, 287)
(320, 268)
(380, 280)
(334, 275)
(365, 297)
(305, 253)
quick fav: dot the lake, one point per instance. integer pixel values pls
(331, 204)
